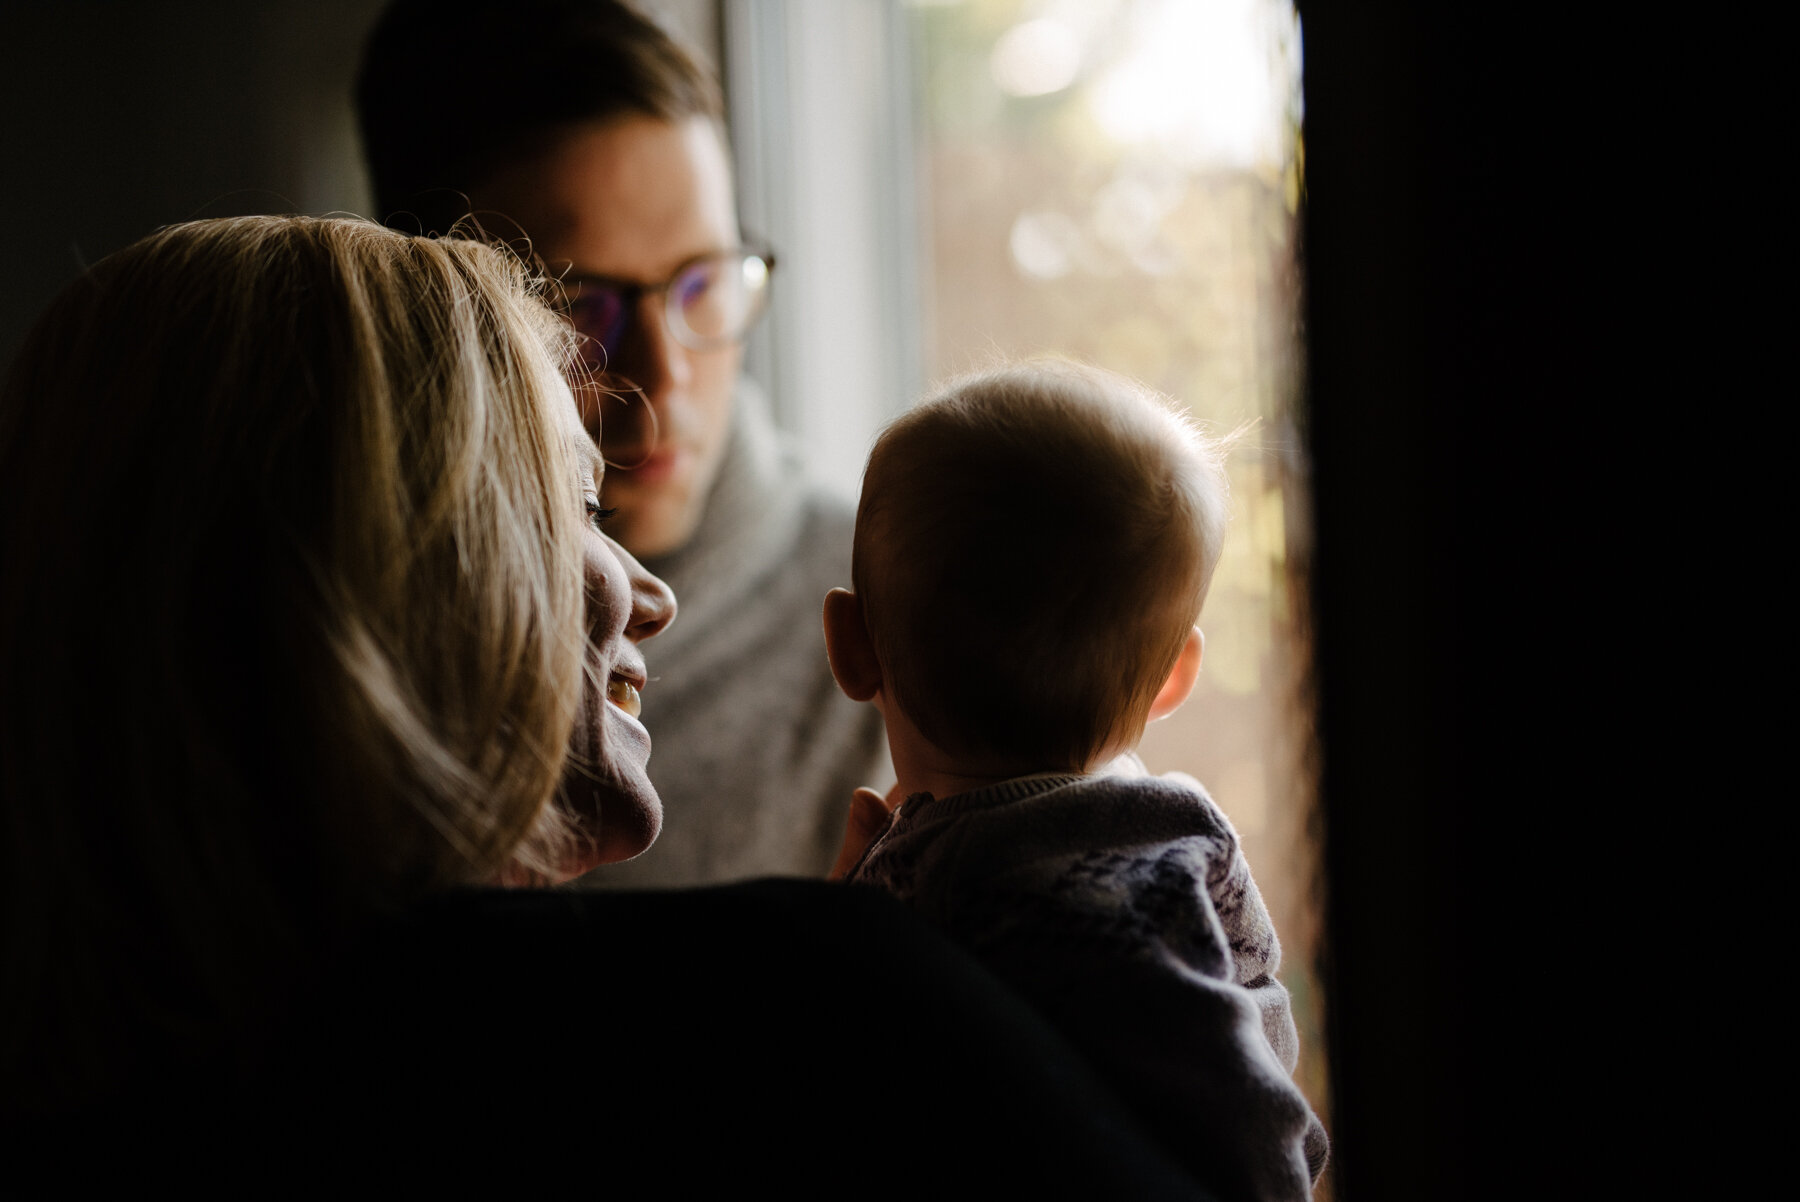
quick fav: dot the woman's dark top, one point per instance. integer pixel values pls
(795, 1035)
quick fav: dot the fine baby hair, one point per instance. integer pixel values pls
(1032, 549)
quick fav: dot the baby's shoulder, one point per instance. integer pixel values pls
(1172, 804)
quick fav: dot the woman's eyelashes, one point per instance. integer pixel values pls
(597, 516)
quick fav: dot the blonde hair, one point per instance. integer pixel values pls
(291, 617)
(1032, 547)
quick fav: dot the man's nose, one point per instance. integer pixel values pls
(652, 359)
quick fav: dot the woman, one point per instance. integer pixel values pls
(301, 558)
(308, 639)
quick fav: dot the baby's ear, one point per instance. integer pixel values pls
(1175, 690)
(847, 645)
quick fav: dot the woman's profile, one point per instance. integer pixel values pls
(304, 617)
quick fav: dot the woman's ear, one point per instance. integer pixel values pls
(1175, 690)
(847, 645)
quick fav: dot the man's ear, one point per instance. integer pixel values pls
(1175, 690)
(847, 645)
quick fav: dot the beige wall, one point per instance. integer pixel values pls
(699, 20)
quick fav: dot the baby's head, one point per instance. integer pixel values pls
(1032, 549)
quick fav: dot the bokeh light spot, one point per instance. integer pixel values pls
(1036, 58)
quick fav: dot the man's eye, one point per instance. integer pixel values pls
(597, 309)
(600, 317)
(694, 285)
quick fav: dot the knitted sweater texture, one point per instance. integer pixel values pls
(1122, 907)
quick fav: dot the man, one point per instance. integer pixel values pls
(590, 133)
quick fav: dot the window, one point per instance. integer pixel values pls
(1116, 180)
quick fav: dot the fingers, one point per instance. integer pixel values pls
(868, 815)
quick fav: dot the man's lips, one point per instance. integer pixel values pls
(661, 465)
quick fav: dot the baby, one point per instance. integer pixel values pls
(1032, 549)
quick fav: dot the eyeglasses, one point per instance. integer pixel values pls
(711, 301)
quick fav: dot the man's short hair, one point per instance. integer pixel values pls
(1032, 548)
(450, 91)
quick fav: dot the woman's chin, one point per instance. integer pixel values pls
(621, 841)
(624, 836)
(615, 811)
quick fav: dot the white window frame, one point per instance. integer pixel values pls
(819, 96)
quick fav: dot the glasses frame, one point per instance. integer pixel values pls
(632, 293)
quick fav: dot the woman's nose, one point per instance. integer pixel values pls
(652, 601)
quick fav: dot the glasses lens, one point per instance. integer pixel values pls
(598, 315)
(715, 301)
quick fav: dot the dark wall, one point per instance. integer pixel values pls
(1441, 378)
(118, 117)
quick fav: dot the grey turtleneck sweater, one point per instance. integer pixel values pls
(755, 751)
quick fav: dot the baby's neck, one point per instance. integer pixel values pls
(920, 766)
(948, 783)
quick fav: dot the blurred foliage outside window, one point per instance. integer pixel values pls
(1118, 181)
